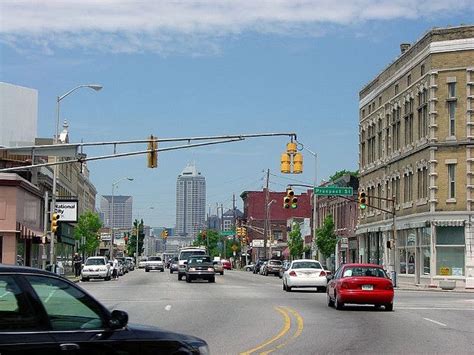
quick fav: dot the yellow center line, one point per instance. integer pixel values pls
(299, 330)
(283, 331)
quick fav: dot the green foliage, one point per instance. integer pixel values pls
(326, 238)
(132, 241)
(340, 173)
(87, 230)
(295, 241)
(209, 238)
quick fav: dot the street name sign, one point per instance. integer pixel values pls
(333, 190)
(227, 233)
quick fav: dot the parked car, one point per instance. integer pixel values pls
(119, 267)
(142, 262)
(218, 267)
(131, 262)
(273, 267)
(360, 284)
(44, 313)
(125, 265)
(286, 264)
(200, 267)
(154, 263)
(227, 264)
(174, 265)
(258, 264)
(96, 267)
(249, 267)
(304, 273)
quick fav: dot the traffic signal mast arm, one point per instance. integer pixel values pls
(369, 205)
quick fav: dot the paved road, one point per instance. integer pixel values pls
(251, 314)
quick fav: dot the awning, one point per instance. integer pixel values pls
(27, 233)
(450, 223)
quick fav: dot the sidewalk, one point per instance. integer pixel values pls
(411, 287)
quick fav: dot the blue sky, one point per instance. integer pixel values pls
(178, 69)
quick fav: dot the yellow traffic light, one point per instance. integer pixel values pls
(298, 163)
(54, 222)
(291, 148)
(362, 200)
(285, 166)
(152, 155)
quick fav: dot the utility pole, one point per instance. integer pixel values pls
(233, 224)
(45, 230)
(265, 223)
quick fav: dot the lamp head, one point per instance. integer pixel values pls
(96, 87)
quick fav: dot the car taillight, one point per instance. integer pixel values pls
(292, 273)
(344, 285)
(322, 273)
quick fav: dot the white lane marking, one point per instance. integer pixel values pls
(435, 322)
(168, 307)
(436, 308)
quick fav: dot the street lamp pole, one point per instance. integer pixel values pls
(269, 230)
(95, 87)
(112, 219)
(315, 197)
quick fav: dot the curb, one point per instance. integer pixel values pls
(427, 289)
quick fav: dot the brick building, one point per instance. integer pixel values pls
(278, 217)
(416, 130)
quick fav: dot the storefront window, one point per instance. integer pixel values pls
(402, 251)
(20, 251)
(450, 251)
(425, 242)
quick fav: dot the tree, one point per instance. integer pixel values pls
(87, 232)
(210, 238)
(340, 173)
(326, 238)
(132, 241)
(295, 241)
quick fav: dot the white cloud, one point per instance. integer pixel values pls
(164, 26)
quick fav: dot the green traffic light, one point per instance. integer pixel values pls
(293, 205)
(362, 206)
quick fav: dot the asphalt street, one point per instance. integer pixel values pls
(243, 313)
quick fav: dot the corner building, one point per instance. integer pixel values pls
(416, 145)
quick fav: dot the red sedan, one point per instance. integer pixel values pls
(360, 284)
(227, 265)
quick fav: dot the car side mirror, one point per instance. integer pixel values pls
(185, 263)
(329, 277)
(118, 319)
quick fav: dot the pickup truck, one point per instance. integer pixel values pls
(154, 263)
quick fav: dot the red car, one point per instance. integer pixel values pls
(360, 284)
(226, 263)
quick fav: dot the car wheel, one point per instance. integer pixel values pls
(212, 280)
(188, 279)
(107, 278)
(337, 304)
(222, 273)
(180, 277)
(322, 289)
(162, 270)
(288, 288)
(330, 301)
(146, 270)
(389, 307)
(84, 279)
(171, 271)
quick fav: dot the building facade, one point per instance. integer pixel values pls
(122, 210)
(278, 217)
(190, 202)
(416, 130)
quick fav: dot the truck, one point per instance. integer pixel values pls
(183, 256)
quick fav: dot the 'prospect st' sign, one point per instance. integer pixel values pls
(333, 191)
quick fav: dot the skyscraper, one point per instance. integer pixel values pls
(190, 202)
(122, 211)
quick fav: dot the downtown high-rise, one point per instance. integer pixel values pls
(190, 202)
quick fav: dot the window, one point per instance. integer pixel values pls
(379, 139)
(16, 313)
(380, 100)
(423, 114)
(450, 251)
(409, 80)
(68, 308)
(422, 70)
(451, 180)
(408, 187)
(396, 189)
(363, 113)
(408, 112)
(396, 89)
(422, 176)
(452, 118)
(425, 242)
(451, 90)
(396, 129)
(406, 251)
(364, 271)
(387, 135)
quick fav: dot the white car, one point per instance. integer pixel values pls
(96, 267)
(305, 273)
(142, 263)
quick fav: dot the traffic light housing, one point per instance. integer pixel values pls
(290, 200)
(298, 163)
(285, 165)
(362, 200)
(164, 234)
(54, 222)
(152, 155)
(291, 161)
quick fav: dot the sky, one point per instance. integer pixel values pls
(209, 67)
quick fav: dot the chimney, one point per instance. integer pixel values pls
(404, 47)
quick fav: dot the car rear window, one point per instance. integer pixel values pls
(199, 260)
(354, 271)
(306, 265)
(186, 254)
(154, 258)
(275, 262)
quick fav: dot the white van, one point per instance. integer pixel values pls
(184, 254)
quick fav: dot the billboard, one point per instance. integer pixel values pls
(67, 210)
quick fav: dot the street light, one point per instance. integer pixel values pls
(95, 87)
(112, 238)
(269, 229)
(315, 197)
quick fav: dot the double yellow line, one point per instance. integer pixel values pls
(275, 342)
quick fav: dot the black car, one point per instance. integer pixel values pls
(41, 312)
(258, 265)
(200, 267)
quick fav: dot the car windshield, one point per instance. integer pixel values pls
(354, 271)
(95, 261)
(186, 254)
(306, 265)
(154, 258)
(275, 262)
(199, 260)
